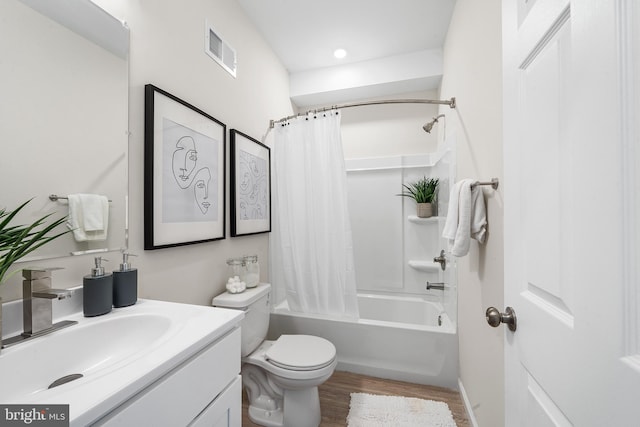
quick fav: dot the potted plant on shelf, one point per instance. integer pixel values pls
(17, 241)
(424, 192)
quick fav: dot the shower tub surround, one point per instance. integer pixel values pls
(394, 250)
(405, 332)
(407, 338)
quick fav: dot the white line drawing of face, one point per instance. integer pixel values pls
(202, 181)
(184, 161)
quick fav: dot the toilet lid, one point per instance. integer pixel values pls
(301, 352)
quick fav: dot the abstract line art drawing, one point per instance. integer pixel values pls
(189, 193)
(253, 186)
(250, 185)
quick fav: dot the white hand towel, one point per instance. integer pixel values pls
(93, 211)
(478, 215)
(466, 218)
(88, 217)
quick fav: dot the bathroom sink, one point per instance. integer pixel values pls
(88, 349)
(102, 361)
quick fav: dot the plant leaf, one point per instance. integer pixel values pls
(422, 191)
(17, 241)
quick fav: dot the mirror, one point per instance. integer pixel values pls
(64, 114)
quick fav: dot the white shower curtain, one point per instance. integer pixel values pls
(311, 242)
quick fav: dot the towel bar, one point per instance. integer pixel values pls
(494, 183)
(55, 198)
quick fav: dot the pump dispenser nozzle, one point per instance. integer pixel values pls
(126, 266)
(98, 270)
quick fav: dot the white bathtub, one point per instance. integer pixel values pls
(396, 337)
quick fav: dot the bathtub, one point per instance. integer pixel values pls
(404, 338)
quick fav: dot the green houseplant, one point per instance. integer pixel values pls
(424, 192)
(17, 241)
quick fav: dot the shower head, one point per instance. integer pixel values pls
(427, 127)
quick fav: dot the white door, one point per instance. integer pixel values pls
(571, 212)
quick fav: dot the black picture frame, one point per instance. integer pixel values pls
(250, 163)
(184, 172)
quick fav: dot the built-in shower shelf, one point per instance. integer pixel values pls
(418, 220)
(426, 266)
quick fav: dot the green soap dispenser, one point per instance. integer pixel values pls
(125, 283)
(97, 288)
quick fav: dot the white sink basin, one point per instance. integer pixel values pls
(117, 354)
(87, 349)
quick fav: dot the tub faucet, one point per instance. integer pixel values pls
(432, 285)
(37, 307)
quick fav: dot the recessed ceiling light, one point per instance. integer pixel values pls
(339, 53)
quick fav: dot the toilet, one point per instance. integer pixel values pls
(281, 377)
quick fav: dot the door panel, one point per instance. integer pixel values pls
(541, 410)
(546, 159)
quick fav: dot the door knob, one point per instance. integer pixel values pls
(494, 318)
(441, 259)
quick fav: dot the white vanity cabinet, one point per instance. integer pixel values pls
(205, 390)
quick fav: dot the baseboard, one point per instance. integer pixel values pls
(357, 367)
(467, 405)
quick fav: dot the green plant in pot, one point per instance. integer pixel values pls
(17, 241)
(424, 192)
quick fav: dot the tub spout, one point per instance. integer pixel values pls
(433, 285)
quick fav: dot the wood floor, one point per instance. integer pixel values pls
(335, 395)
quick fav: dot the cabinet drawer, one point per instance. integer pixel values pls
(178, 397)
(225, 410)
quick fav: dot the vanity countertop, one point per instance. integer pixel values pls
(118, 354)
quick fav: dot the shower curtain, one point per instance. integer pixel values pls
(311, 243)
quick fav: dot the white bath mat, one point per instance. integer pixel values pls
(369, 410)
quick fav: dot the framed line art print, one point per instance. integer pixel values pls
(250, 185)
(184, 172)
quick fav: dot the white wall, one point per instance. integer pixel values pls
(472, 73)
(167, 50)
(389, 129)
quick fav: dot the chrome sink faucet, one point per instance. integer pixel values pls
(37, 307)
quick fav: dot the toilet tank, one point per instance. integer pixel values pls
(255, 304)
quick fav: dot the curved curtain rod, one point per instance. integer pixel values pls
(451, 103)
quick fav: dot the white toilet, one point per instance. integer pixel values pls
(281, 377)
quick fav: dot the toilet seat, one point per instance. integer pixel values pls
(301, 353)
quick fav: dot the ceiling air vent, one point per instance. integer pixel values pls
(219, 50)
